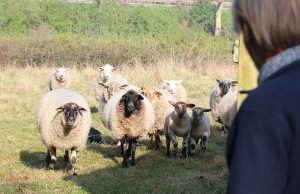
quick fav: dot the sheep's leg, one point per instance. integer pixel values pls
(128, 152)
(73, 161)
(168, 142)
(157, 141)
(133, 152)
(124, 147)
(203, 142)
(193, 144)
(66, 156)
(175, 145)
(151, 144)
(53, 158)
(184, 146)
(48, 158)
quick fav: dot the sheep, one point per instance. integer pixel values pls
(63, 121)
(106, 73)
(178, 123)
(131, 116)
(228, 108)
(218, 93)
(176, 89)
(110, 89)
(162, 108)
(200, 129)
(59, 79)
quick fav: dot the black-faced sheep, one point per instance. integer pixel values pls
(223, 87)
(63, 120)
(131, 116)
(178, 124)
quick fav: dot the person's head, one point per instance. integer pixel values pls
(268, 26)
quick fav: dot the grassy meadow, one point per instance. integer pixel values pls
(147, 44)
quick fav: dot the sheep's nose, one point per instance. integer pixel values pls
(130, 107)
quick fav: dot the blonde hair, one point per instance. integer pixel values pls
(273, 24)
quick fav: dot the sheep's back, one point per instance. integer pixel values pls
(228, 108)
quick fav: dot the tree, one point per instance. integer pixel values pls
(218, 19)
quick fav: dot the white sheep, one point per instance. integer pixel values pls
(63, 120)
(200, 129)
(217, 94)
(106, 73)
(59, 79)
(175, 88)
(131, 116)
(228, 107)
(178, 123)
(162, 108)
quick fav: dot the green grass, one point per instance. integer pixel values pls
(22, 156)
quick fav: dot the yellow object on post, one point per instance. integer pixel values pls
(247, 72)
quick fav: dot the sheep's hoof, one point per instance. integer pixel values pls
(168, 154)
(51, 167)
(48, 159)
(125, 165)
(132, 163)
(175, 155)
(183, 157)
(75, 173)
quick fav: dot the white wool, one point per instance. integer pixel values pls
(175, 88)
(49, 120)
(228, 107)
(59, 79)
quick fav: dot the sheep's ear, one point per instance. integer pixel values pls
(81, 109)
(113, 69)
(66, 69)
(57, 69)
(172, 103)
(104, 85)
(141, 97)
(190, 105)
(124, 86)
(158, 93)
(234, 82)
(219, 81)
(206, 110)
(100, 68)
(61, 108)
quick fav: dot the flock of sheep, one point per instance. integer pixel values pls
(130, 113)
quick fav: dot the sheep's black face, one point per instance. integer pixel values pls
(180, 108)
(132, 101)
(198, 114)
(224, 86)
(71, 111)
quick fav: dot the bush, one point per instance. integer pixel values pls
(202, 14)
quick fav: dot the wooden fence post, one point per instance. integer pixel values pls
(247, 72)
(218, 18)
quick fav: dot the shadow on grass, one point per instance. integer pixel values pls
(155, 173)
(38, 160)
(94, 109)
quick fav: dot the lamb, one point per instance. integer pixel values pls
(178, 123)
(107, 73)
(200, 129)
(216, 95)
(131, 116)
(63, 120)
(162, 108)
(176, 89)
(59, 79)
(228, 108)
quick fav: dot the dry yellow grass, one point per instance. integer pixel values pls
(22, 168)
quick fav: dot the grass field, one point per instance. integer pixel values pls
(22, 155)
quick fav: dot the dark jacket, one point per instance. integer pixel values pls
(263, 146)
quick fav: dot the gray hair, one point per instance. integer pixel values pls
(274, 24)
